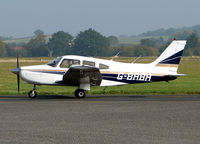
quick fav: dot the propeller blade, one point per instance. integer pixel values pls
(18, 77)
(17, 61)
(18, 82)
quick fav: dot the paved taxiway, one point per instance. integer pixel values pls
(100, 119)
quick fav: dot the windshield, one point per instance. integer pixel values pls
(54, 62)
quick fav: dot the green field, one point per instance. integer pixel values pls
(189, 84)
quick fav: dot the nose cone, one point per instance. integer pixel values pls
(16, 71)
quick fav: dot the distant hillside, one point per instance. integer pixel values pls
(170, 31)
(5, 38)
(136, 39)
(166, 34)
(23, 40)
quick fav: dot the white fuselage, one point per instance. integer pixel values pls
(115, 73)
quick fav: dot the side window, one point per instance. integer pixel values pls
(76, 62)
(103, 66)
(88, 63)
(66, 63)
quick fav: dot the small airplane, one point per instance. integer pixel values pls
(86, 72)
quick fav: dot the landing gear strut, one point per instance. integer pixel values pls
(80, 93)
(32, 94)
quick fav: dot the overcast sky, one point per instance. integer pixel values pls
(20, 18)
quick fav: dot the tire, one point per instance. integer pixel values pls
(32, 94)
(80, 93)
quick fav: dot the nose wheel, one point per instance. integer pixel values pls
(80, 93)
(32, 94)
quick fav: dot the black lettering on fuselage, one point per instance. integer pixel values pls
(134, 76)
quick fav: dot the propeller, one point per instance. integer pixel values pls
(18, 78)
(17, 71)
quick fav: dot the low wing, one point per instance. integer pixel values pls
(82, 76)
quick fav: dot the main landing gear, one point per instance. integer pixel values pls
(80, 93)
(32, 94)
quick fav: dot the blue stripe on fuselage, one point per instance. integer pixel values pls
(113, 77)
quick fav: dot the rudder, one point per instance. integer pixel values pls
(172, 55)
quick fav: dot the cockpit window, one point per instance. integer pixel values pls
(103, 66)
(88, 63)
(54, 62)
(66, 63)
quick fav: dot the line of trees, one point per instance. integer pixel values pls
(86, 43)
(92, 43)
(171, 31)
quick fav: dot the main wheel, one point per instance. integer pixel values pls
(80, 93)
(32, 94)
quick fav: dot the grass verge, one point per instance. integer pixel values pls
(189, 84)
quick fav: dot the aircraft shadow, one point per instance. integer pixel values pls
(105, 98)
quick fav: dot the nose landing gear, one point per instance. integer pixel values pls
(33, 94)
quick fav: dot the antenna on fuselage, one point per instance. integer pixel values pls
(136, 59)
(115, 55)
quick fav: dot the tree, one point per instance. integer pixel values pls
(60, 43)
(148, 42)
(142, 50)
(192, 44)
(113, 41)
(91, 43)
(37, 47)
(125, 50)
(37, 32)
(2, 48)
(180, 35)
(197, 50)
(14, 49)
(192, 40)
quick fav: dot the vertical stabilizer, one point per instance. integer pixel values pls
(171, 56)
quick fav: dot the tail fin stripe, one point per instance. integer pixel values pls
(171, 61)
(174, 59)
